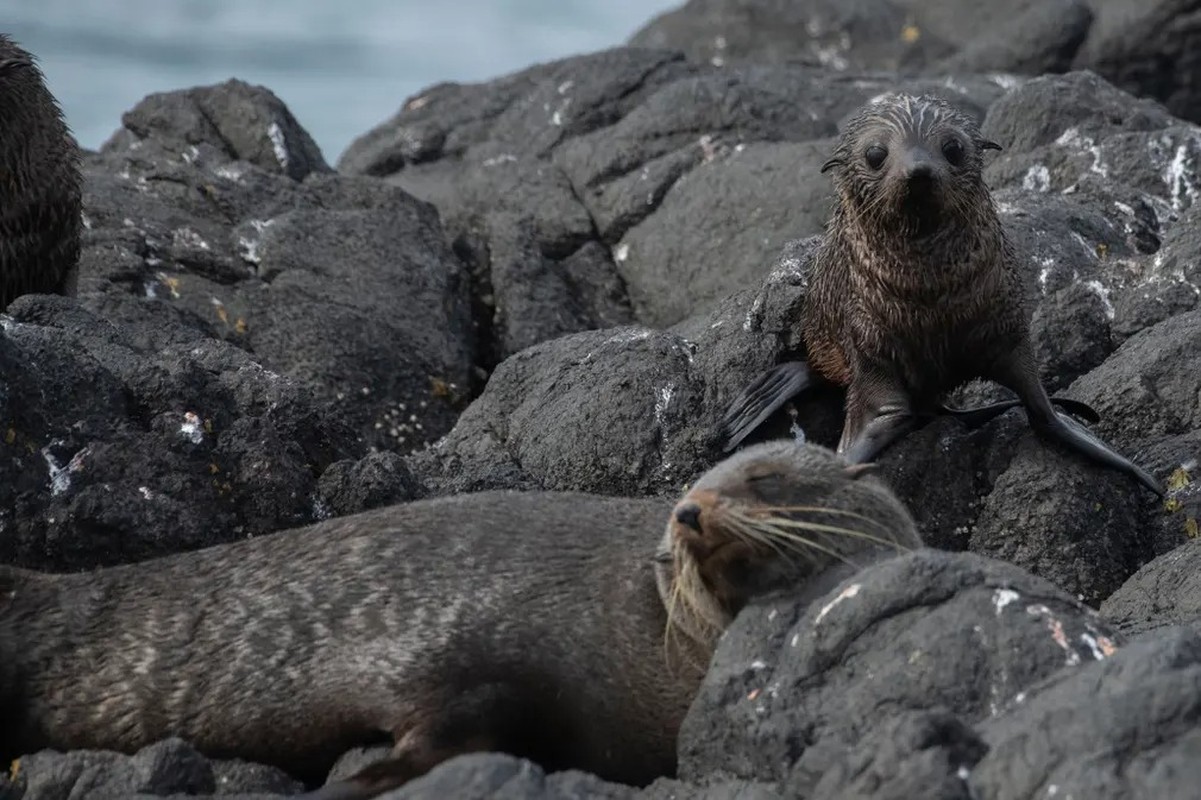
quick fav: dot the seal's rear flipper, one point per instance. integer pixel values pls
(762, 398)
(975, 416)
(1018, 374)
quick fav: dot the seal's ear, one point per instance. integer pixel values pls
(833, 162)
(985, 144)
(857, 471)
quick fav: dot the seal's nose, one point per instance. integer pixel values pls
(921, 172)
(690, 515)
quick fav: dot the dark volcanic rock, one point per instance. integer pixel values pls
(346, 284)
(694, 177)
(485, 776)
(378, 479)
(927, 630)
(139, 449)
(1149, 49)
(910, 754)
(168, 768)
(905, 36)
(628, 410)
(1165, 592)
(245, 318)
(1123, 726)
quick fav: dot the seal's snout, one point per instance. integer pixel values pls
(689, 514)
(920, 172)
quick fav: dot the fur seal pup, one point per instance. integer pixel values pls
(915, 289)
(569, 628)
(40, 183)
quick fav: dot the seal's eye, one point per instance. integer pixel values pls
(875, 156)
(689, 515)
(953, 151)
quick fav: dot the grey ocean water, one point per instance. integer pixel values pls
(341, 67)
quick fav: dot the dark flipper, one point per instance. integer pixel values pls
(1019, 374)
(472, 720)
(976, 416)
(878, 414)
(762, 398)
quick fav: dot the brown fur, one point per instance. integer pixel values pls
(40, 194)
(934, 311)
(914, 290)
(569, 628)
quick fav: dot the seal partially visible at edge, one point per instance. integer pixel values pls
(40, 183)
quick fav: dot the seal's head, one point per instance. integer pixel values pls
(771, 517)
(915, 160)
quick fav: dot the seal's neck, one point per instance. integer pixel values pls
(958, 259)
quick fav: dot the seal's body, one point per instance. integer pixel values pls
(569, 628)
(40, 194)
(915, 289)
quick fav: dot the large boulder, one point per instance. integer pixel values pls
(245, 318)
(1145, 47)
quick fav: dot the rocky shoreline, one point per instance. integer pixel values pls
(559, 279)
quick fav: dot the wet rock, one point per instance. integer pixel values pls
(927, 630)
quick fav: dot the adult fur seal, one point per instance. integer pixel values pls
(914, 290)
(569, 628)
(40, 192)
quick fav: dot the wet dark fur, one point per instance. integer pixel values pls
(915, 290)
(934, 311)
(40, 192)
(530, 623)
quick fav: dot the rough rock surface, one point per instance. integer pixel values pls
(560, 278)
(167, 768)
(1148, 48)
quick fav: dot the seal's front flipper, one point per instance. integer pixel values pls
(762, 398)
(889, 425)
(975, 416)
(878, 414)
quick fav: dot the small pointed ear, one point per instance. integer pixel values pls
(833, 162)
(986, 144)
(857, 471)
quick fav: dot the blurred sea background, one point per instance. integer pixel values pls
(341, 67)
